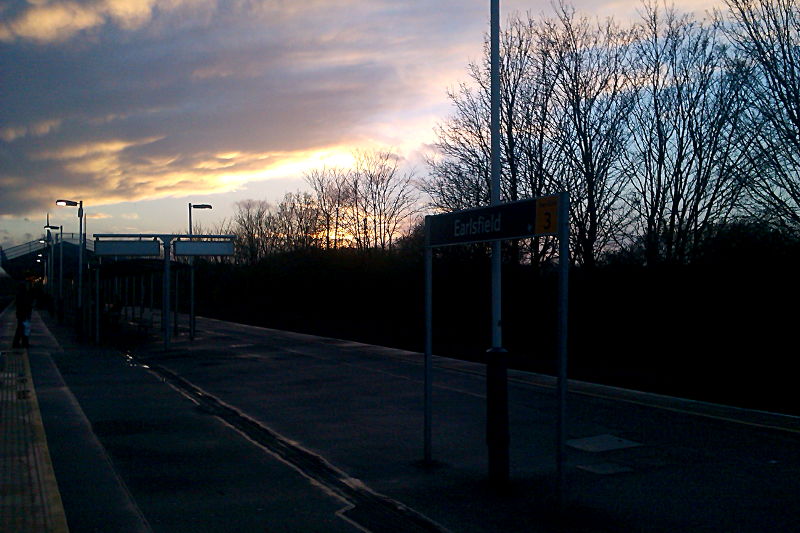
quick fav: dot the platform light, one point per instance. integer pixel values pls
(81, 249)
(191, 271)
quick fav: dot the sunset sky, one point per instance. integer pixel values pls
(138, 107)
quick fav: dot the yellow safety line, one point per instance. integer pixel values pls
(54, 507)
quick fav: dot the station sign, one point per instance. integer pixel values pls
(203, 248)
(512, 220)
(127, 248)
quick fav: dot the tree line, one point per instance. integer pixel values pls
(665, 132)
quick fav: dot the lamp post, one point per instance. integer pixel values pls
(79, 204)
(60, 274)
(49, 260)
(497, 430)
(191, 271)
(52, 261)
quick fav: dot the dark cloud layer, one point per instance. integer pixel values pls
(113, 100)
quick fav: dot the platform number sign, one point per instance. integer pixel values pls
(547, 215)
(510, 220)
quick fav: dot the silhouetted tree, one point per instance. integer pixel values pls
(251, 224)
(295, 223)
(767, 32)
(591, 64)
(686, 139)
(330, 190)
(388, 197)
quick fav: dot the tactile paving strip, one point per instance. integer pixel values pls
(29, 497)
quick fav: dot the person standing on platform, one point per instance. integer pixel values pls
(24, 306)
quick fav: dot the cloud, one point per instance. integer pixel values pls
(129, 14)
(124, 100)
(46, 23)
(49, 22)
(84, 150)
(38, 129)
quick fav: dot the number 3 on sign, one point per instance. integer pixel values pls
(547, 215)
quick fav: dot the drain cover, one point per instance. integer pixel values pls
(602, 443)
(605, 469)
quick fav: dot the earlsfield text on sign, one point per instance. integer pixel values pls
(477, 226)
(512, 220)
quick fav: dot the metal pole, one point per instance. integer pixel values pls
(497, 433)
(80, 253)
(165, 297)
(79, 307)
(497, 339)
(60, 273)
(97, 305)
(563, 301)
(191, 282)
(428, 344)
(177, 299)
(49, 267)
(152, 296)
(50, 264)
(191, 299)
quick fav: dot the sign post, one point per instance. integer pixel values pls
(548, 215)
(428, 341)
(563, 300)
(497, 434)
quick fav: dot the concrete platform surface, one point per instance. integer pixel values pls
(251, 429)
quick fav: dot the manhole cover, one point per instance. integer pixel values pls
(605, 469)
(602, 443)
